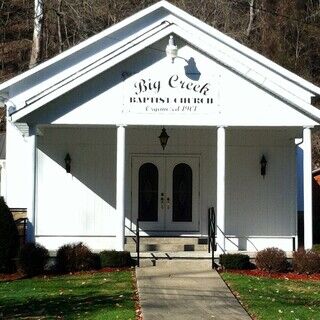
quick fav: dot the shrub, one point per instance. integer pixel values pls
(96, 262)
(316, 248)
(306, 261)
(33, 258)
(75, 257)
(272, 260)
(9, 239)
(235, 261)
(115, 259)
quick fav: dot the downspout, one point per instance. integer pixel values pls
(297, 216)
(32, 141)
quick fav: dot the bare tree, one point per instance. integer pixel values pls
(37, 32)
(251, 17)
(59, 16)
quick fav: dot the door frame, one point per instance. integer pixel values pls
(196, 232)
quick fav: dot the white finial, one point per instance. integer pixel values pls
(172, 49)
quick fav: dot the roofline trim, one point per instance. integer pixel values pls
(269, 86)
(91, 40)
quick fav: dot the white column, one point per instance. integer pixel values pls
(221, 159)
(31, 210)
(121, 147)
(307, 188)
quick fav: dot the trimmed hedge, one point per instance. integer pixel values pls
(235, 261)
(306, 261)
(113, 258)
(9, 238)
(33, 258)
(76, 257)
(316, 248)
(272, 260)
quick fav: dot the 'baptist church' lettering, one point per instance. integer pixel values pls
(167, 100)
(174, 82)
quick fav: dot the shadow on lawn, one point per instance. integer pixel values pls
(286, 301)
(65, 306)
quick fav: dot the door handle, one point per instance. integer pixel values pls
(162, 201)
(168, 203)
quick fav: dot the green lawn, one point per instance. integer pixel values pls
(87, 296)
(272, 299)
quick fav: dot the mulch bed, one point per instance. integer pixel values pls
(10, 277)
(284, 276)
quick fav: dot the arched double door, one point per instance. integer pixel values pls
(165, 192)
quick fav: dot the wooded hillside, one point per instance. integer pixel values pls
(287, 32)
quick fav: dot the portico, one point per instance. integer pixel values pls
(105, 103)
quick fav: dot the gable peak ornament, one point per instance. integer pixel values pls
(172, 49)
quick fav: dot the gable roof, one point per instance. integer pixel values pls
(249, 64)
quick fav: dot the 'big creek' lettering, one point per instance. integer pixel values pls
(174, 82)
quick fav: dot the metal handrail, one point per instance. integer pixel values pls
(212, 234)
(138, 243)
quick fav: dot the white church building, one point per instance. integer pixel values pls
(85, 158)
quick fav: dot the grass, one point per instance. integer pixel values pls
(87, 296)
(274, 299)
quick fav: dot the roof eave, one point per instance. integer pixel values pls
(5, 85)
(204, 47)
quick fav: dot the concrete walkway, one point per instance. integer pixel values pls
(186, 289)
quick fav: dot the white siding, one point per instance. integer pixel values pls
(82, 203)
(257, 206)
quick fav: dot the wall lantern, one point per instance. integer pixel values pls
(263, 164)
(163, 138)
(67, 161)
(172, 49)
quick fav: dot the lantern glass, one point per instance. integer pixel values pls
(263, 164)
(164, 137)
(67, 161)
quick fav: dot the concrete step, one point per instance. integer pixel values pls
(167, 244)
(175, 255)
(166, 240)
(148, 259)
(166, 247)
